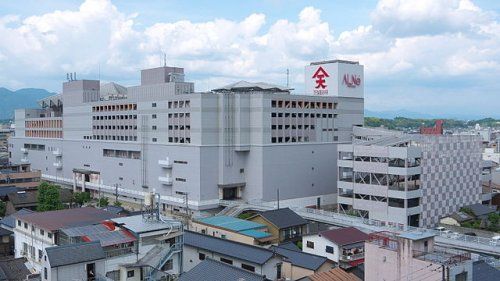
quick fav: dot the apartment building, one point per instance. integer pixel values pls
(413, 256)
(242, 141)
(34, 232)
(404, 179)
(19, 175)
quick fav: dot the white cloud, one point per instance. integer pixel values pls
(410, 41)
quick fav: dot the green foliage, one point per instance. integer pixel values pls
(117, 204)
(402, 123)
(299, 244)
(81, 197)
(103, 202)
(468, 211)
(2, 208)
(245, 216)
(49, 198)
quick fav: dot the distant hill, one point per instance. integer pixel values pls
(23, 98)
(403, 123)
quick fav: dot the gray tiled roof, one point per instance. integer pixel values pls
(10, 221)
(283, 218)
(210, 270)
(74, 253)
(229, 248)
(13, 269)
(300, 259)
(483, 271)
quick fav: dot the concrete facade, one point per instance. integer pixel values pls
(237, 144)
(408, 179)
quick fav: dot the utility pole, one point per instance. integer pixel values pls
(116, 192)
(278, 197)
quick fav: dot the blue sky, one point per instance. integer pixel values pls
(435, 57)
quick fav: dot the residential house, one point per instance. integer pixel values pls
(19, 175)
(6, 242)
(9, 222)
(36, 231)
(157, 250)
(284, 224)
(5, 190)
(212, 270)
(336, 274)
(28, 199)
(14, 270)
(479, 211)
(413, 255)
(457, 218)
(82, 261)
(297, 264)
(344, 246)
(232, 228)
(198, 247)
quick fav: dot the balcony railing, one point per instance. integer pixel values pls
(352, 257)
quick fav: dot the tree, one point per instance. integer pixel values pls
(117, 203)
(49, 198)
(81, 197)
(103, 202)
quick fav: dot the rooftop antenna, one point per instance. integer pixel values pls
(287, 78)
(164, 59)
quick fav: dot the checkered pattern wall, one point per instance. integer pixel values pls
(451, 170)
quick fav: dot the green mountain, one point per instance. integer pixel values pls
(403, 123)
(23, 98)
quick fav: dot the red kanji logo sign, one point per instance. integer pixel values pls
(320, 76)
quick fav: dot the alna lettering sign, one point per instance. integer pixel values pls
(351, 81)
(321, 87)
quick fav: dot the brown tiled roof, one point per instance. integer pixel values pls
(344, 236)
(336, 274)
(55, 220)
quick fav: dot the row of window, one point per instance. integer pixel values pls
(114, 107)
(179, 104)
(111, 137)
(44, 134)
(32, 146)
(328, 249)
(115, 117)
(43, 124)
(114, 127)
(302, 104)
(303, 115)
(130, 154)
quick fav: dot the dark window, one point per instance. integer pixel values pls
(153, 116)
(49, 235)
(154, 104)
(248, 267)
(201, 256)
(45, 275)
(329, 249)
(226, 261)
(130, 273)
(310, 244)
(19, 223)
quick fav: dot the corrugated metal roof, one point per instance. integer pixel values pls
(137, 224)
(344, 236)
(244, 86)
(255, 233)
(210, 270)
(283, 218)
(55, 220)
(229, 248)
(74, 253)
(231, 223)
(301, 259)
(100, 233)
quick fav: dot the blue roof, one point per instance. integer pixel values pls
(255, 233)
(231, 223)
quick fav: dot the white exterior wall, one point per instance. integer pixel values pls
(32, 239)
(72, 272)
(191, 259)
(320, 244)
